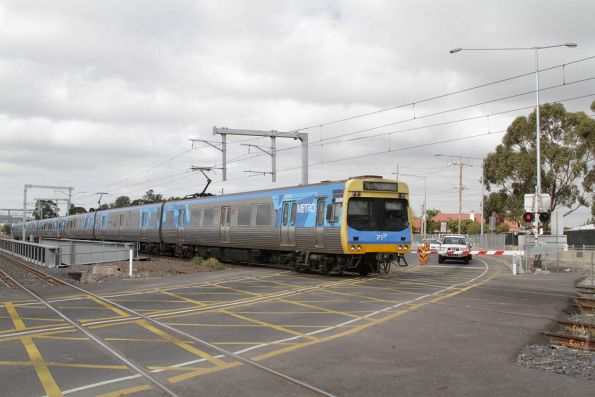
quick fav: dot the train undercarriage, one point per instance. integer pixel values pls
(300, 261)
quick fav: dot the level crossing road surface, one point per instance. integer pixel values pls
(449, 329)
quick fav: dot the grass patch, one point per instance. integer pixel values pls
(213, 263)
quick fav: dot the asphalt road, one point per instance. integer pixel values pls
(448, 329)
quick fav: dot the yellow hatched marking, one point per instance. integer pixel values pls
(361, 327)
(325, 310)
(183, 298)
(360, 296)
(109, 306)
(239, 290)
(181, 344)
(43, 373)
(126, 392)
(202, 371)
(269, 325)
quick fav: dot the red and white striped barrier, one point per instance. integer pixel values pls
(479, 252)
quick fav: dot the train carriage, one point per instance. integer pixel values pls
(354, 225)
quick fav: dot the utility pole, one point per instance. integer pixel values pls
(303, 137)
(460, 193)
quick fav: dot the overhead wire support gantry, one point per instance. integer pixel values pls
(302, 136)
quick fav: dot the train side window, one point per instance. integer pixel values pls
(143, 219)
(207, 216)
(244, 215)
(263, 215)
(333, 212)
(154, 217)
(181, 217)
(293, 214)
(320, 212)
(285, 213)
(195, 216)
(169, 218)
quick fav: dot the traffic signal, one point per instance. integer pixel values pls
(544, 216)
(528, 217)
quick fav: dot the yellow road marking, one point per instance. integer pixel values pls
(202, 371)
(43, 373)
(325, 310)
(238, 290)
(109, 306)
(125, 392)
(181, 344)
(269, 325)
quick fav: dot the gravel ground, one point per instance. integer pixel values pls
(153, 267)
(560, 360)
(29, 280)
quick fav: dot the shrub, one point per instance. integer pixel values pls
(213, 263)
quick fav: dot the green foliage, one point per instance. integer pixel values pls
(432, 212)
(122, 201)
(76, 210)
(6, 229)
(45, 209)
(151, 197)
(567, 151)
(502, 228)
(213, 263)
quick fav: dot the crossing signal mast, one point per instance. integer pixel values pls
(537, 211)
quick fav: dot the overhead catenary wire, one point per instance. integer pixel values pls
(390, 150)
(412, 103)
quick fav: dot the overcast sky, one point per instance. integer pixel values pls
(105, 95)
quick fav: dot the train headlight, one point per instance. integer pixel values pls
(359, 247)
(352, 248)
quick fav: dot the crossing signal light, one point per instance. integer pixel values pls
(528, 217)
(544, 216)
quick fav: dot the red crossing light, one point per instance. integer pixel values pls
(528, 217)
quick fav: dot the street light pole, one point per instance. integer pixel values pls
(537, 120)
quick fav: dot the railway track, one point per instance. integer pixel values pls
(577, 334)
(28, 269)
(165, 388)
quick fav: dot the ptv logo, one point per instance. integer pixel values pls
(381, 237)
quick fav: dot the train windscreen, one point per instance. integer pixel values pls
(368, 214)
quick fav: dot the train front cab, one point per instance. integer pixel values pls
(375, 220)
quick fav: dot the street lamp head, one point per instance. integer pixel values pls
(455, 50)
(571, 45)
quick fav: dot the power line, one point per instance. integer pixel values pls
(373, 136)
(532, 73)
(563, 65)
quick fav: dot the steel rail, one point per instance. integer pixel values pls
(225, 352)
(7, 280)
(97, 340)
(30, 269)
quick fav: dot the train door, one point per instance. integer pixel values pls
(181, 223)
(289, 213)
(144, 220)
(320, 207)
(224, 224)
(121, 225)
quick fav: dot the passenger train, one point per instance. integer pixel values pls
(356, 225)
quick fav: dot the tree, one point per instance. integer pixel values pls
(567, 151)
(432, 212)
(122, 201)
(76, 210)
(151, 197)
(45, 209)
(6, 229)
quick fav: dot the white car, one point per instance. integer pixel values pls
(434, 244)
(452, 247)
